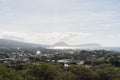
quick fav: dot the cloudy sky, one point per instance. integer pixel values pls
(71, 21)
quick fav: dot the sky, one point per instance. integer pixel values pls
(51, 21)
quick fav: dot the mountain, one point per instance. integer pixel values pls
(63, 45)
(5, 43)
(90, 45)
(60, 44)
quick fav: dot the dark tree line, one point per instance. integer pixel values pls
(52, 71)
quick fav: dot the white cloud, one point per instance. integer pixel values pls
(13, 36)
(63, 16)
(65, 22)
(46, 38)
(74, 38)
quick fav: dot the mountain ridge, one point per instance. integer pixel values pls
(7, 43)
(61, 43)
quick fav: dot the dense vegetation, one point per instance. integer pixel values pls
(55, 71)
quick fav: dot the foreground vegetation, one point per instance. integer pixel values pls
(55, 71)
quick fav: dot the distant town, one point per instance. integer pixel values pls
(65, 56)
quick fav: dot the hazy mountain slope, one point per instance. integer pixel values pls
(63, 45)
(90, 45)
(5, 43)
(60, 44)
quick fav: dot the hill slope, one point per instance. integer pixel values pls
(63, 45)
(5, 43)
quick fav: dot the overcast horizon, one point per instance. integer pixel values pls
(50, 21)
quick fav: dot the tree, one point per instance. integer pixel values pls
(43, 71)
(8, 74)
